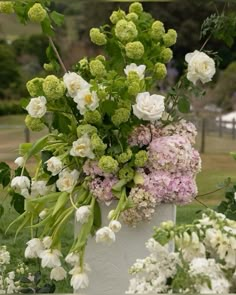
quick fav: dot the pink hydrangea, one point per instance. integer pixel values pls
(140, 136)
(91, 168)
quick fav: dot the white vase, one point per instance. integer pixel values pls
(110, 264)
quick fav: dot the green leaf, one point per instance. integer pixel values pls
(108, 107)
(1, 210)
(183, 105)
(57, 18)
(24, 148)
(37, 277)
(47, 27)
(37, 147)
(46, 155)
(61, 123)
(18, 202)
(5, 174)
(18, 172)
(52, 180)
(97, 222)
(61, 201)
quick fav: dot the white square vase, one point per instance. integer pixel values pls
(110, 264)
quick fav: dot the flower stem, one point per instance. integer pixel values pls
(57, 54)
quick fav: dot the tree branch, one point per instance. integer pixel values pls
(57, 54)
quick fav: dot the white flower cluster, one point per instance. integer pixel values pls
(206, 255)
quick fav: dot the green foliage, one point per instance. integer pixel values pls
(10, 107)
(5, 174)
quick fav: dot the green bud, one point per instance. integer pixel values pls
(97, 37)
(170, 38)
(132, 16)
(157, 30)
(86, 129)
(124, 104)
(138, 178)
(102, 94)
(141, 158)
(124, 157)
(136, 7)
(134, 50)
(93, 117)
(48, 67)
(166, 55)
(83, 63)
(116, 16)
(6, 7)
(97, 68)
(34, 124)
(101, 58)
(97, 145)
(160, 71)
(125, 30)
(53, 88)
(35, 87)
(126, 173)
(134, 88)
(133, 77)
(120, 116)
(37, 13)
(108, 164)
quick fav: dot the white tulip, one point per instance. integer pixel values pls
(67, 180)
(54, 165)
(72, 258)
(82, 148)
(34, 248)
(58, 273)
(200, 67)
(115, 226)
(105, 235)
(50, 258)
(149, 107)
(86, 100)
(37, 107)
(19, 161)
(82, 214)
(79, 280)
(134, 68)
(74, 83)
(47, 242)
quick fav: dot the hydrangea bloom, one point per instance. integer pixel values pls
(102, 189)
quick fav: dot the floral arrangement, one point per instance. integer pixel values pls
(204, 261)
(112, 140)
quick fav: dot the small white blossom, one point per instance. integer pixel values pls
(37, 107)
(50, 258)
(72, 258)
(47, 242)
(54, 165)
(82, 214)
(79, 280)
(58, 273)
(19, 161)
(140, 70)
(4, 256)
(39, 187)
(43, 214)
(67, 180)
(86, 100)
(82, 148)
(105, 235)
(34, 248)
(115, 226)
(74, 83)
(20, 183)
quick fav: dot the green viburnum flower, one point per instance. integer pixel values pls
(133, 77)
(134, 50)
(141, 158)
(97, 37)
(120, 116)
(86, 129)
(53, 87)
(37, 13)
(35, 87)
(157, 30)
(166, 55)
(97, 68)
(124, 104)
(6, 7)
(124, 157)
(93, 117)
(136, 7)
(101, 58)
(126, 173)
(134, 88)
(132, 16)
(160, 71)
(108, 164)
(84, 64)
(102, 94)
(170, 38)
(125, 30)
(116, 16)
(34, 124)
(97, 145)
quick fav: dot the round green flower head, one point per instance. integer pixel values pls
(125, 30)
(97, 37)
(141, 158)
(132, 16)
(93, 117)
(97, 68)
(108, 164)
(157, 30)
(136, 7)
(53, 88)
(166, 55)
(86, 129)
(34, 124)
(101, 58)
(35, 87)
(124, 157)
(116, 16)
(134, 88)
(160, 71)
(83, 63)
(170, 38)
(124, 104)
(37, 13)
(6, 7)
(120, 116)
(48, 67)
(133, 77)
(97, 145)
(126, 173)
(134, 50)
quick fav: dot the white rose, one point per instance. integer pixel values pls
(74, 83)
(67, 180)
(58, 273)
(39, 188)
(82, 148)
(19, 161)
(149, 107)
(54, 165)
(115, 226)
(79, 280)
(72, 258)
(82, 214)
(134, 68)
(50, 258)
(200, 67)
(47, 242)
(105, 235)
(34, 248)
(86, 100)
(37, 107)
